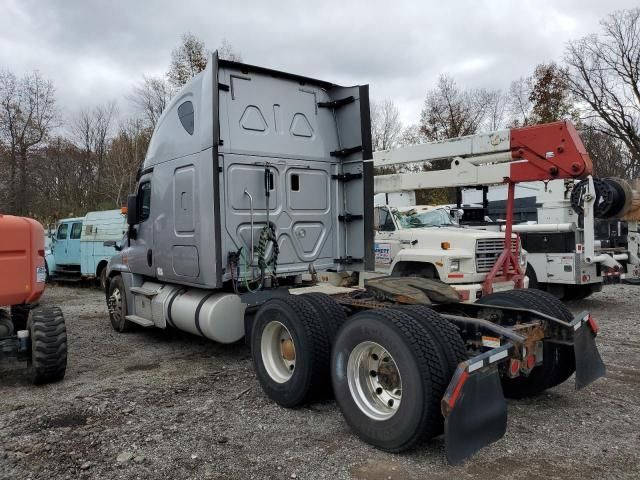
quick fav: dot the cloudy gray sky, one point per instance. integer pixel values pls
(94, 51)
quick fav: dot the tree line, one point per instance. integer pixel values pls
(52, 168)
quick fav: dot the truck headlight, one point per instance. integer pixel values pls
(523, 259)
(454, 266)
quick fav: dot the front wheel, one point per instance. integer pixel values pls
(117, 304)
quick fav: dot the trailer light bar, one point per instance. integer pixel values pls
(462, 378)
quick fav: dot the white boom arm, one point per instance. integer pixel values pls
(477, 160)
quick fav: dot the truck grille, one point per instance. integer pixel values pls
(487, 252)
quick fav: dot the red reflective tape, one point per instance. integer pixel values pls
(457, 389)
(456, 275)
(595, 328)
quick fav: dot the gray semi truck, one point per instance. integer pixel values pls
(256, 180)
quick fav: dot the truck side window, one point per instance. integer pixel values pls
(185, 114)
(62, 231)
(144, 200)
(76, 230)
(385, 221)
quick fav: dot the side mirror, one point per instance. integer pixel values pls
(132, 209)
(114, 244)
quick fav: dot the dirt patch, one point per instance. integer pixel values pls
(171, 405)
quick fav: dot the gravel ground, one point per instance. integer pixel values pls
(154, 404)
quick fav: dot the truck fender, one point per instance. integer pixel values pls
(416, 257)
(50, 262)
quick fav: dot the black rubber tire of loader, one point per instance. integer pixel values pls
(558, 360)
(421, 368)
(118, 321)
(329, 310)
(310, 378)
(48, 345)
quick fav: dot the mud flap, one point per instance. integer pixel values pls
(589, 364)
(478, 415)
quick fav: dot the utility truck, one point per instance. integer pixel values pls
(28, 331)
(427, 241)
(256, 178)
(564, 255)
(77, 249)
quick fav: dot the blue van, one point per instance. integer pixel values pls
(77, 248)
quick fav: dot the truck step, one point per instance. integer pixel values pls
(145, 292)
(143, 322)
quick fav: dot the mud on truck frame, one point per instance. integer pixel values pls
(255, 177)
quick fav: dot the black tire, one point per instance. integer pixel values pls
(558, 360)
(533, 278)
(6, 324)
(422, 371)
(20, 315)
(330, 311)
(117, 304)
(48, 345)
(577, 292)
(447, 334)
(102, 279)
(310, 377)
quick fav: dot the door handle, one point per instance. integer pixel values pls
(149, 257)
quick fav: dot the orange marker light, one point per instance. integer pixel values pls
(445, 245)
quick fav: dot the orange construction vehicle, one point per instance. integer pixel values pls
(28, 331)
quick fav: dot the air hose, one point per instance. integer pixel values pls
(267, 236)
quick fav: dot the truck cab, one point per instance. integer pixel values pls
(65, 247)
(426, 241)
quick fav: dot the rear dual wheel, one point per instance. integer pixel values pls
(290, 346)
(558, 361)
(390, 369)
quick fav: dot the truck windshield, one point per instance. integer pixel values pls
(433, 218)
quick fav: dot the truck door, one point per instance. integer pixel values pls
(141, 259)
(387, 243)
(73, 244)
(59, 247)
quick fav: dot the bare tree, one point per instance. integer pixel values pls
(609, 155)
(126, 155)
(91, 130)
(386, 126)
(227, 52)
(27, 114)
(411, 136)
(519, 104)
(150, 97)
(604, 73)
(451, 112)
(187, 60)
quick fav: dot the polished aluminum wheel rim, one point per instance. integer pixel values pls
(278, 351)
(115, 305)
(374, 380)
